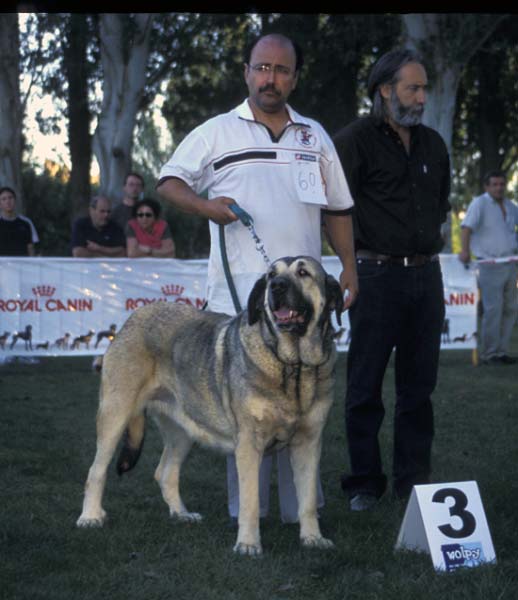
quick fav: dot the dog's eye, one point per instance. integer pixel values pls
(302, 272)
(271, 274)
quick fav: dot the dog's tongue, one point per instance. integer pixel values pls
(283, 314)
(287, 315)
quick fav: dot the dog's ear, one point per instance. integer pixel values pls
(256, 300)
(334, 297)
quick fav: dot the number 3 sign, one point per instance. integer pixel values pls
(447, 520)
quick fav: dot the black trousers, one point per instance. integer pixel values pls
(403, 308)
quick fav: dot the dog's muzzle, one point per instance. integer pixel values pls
(287, 305)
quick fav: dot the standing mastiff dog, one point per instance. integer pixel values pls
(246, 384)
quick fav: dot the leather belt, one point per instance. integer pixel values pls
(415, 260)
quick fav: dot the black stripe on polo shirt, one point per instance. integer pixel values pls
(344, 211)
(233, 158)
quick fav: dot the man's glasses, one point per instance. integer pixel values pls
(268, 68)
(148, 215)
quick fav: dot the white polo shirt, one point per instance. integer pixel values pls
(492, 235)
(235, 156)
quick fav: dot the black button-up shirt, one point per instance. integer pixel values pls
(401, 199)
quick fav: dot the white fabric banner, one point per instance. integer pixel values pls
(72, 306)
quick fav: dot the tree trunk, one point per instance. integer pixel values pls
(446, 42)
(79, 117)
(124, 56)
(491, 113)
(10, 106)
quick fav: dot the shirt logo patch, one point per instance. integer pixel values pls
(309, 157)
(305, 138)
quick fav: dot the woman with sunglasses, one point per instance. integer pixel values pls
(146, 234)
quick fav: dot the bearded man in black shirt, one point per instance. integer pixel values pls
(398, 172)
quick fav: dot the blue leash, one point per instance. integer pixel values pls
(247, 221)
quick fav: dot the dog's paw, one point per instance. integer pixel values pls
(187, 517)
(314, 541)
(91, 522)
(253, 550)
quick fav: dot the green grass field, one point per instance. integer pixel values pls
(48, 440)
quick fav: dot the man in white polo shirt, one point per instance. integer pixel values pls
(283, 170)
(489, 231)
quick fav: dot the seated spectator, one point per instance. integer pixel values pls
(147, 234)
(17, 233)
(97, 236)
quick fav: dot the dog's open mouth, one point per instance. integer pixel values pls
(288, 316)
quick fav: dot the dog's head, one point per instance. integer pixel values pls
(295, 299)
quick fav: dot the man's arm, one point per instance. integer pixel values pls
(465, 239)
(81, 252)
(94, 250)
(339, 231)
(166, 250)
(178, 193)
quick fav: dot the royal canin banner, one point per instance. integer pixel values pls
(72, 306)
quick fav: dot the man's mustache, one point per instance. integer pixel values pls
(269, 87)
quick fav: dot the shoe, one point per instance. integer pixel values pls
(507, 360)
(360, 502)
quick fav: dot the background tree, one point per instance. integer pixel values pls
(124, 44)
(10, 106)
(78, 32)
(447, 42)
(486, 121)
(194, 63)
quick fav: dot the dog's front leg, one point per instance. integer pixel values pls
(305, 458)
(248, 460)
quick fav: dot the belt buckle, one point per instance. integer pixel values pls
(406, 261)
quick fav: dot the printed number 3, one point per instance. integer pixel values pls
(469, 522)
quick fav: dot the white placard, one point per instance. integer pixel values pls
(308, 179)
(447, 520)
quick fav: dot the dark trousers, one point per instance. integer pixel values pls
(403, 308)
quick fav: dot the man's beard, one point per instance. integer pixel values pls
(405, 116)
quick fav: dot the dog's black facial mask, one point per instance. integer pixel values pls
(335, 298)
(256, 300)
(291, 311)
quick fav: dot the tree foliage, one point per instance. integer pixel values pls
(195, 63)
(486, 120)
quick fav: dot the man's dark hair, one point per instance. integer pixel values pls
(299, 58)
(494, 173)
(386, 71)
(133, 174)
(6, 188)
(154, 205)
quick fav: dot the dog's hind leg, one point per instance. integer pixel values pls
(176, 448)
(111, 423)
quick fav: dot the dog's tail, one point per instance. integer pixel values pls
(132, 443)
(97, 365)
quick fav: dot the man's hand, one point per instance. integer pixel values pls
(92, 246)
(464, 256)
(218, 210)
(349, 285)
